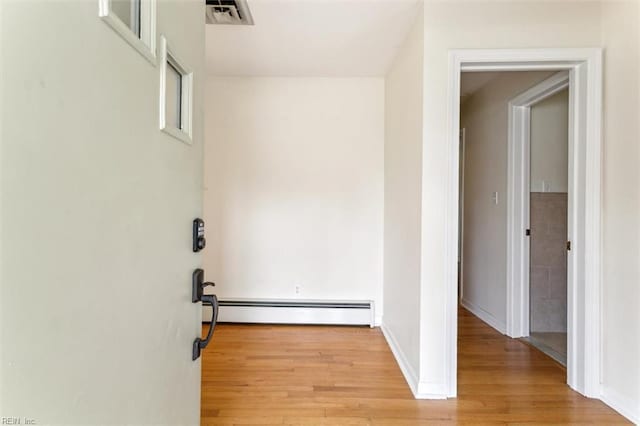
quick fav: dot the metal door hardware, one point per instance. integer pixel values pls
(198, 285)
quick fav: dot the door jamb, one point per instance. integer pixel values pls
(585, 70)
(463, 142)
(517, 198)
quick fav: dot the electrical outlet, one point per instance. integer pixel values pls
(297, 290)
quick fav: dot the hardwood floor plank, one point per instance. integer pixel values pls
(326, 421)
(317, 375)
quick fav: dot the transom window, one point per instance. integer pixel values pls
(134, 21)
(176, 85)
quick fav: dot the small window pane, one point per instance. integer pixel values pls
(128, 11)
(173, 97)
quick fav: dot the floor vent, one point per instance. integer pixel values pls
(353, 312)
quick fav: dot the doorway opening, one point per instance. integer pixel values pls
(487, 100)
(583, 69)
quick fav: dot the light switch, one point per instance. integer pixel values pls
(494, 197)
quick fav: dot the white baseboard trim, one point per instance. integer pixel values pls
(623, 405)
(485, 316)
(295, 312)
(431, 391)
(407, 370)
(377, 320)
(420, 390)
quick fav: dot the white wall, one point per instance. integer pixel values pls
(621, 254)
(473, 24)
(96, 317)
(549, 143)
(294, 186)
(484, 118)
(402, 203)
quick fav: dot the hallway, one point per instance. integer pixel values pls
(257, 374)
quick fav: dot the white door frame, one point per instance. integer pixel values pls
(463, 141)
(518, 189)
(585, 81)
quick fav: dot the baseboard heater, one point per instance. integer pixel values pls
(360, 312)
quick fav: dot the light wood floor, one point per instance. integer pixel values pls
(256, 374)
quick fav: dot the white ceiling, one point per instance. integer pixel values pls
(323, 38)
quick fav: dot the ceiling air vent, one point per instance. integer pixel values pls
(228, 12)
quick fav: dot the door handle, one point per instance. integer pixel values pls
(199, 344)
(198, 285)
